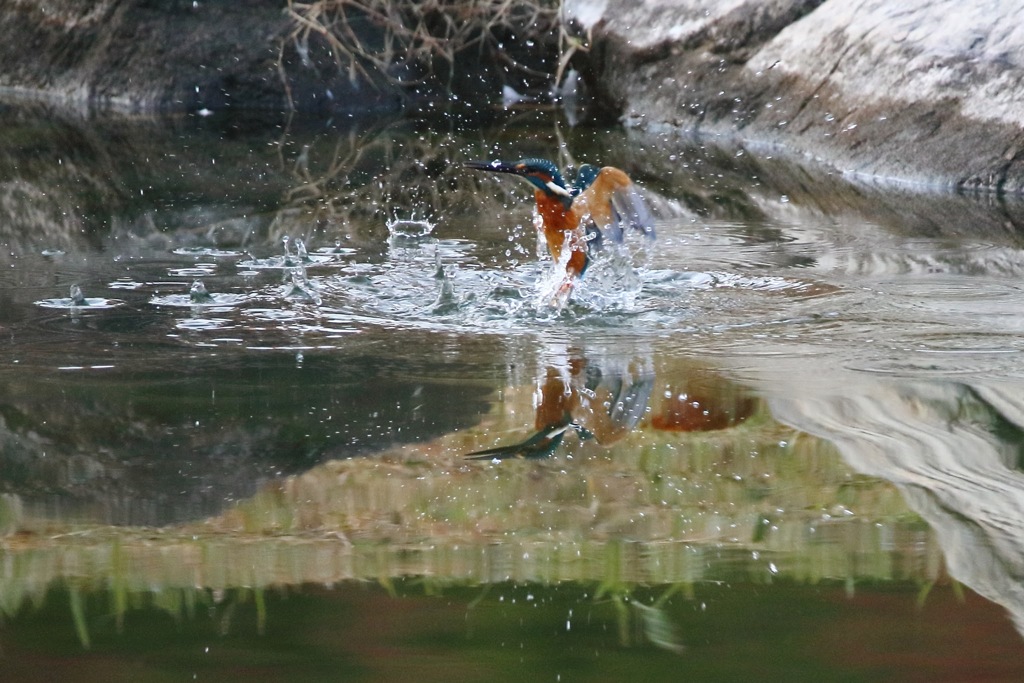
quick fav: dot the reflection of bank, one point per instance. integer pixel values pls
(955, 452)
(602, 398)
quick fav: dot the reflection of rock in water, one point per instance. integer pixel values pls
(955, 453)
(167, 443)
(56, 193)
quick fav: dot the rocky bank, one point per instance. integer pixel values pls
(925, 92)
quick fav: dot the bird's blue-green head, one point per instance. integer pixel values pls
(540, 173)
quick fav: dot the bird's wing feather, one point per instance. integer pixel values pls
(613, 203)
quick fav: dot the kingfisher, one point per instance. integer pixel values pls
(600, 204)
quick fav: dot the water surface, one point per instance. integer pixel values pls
(797, 414)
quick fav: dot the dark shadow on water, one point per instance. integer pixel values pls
(181, 437)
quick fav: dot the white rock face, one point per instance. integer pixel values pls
(916, 51)
(925, 91)
(647, 23)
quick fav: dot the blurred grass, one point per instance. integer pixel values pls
(756, 502)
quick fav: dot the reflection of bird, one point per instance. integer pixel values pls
(605, 404)
(540, 445)
(600, 204)
(583, 399)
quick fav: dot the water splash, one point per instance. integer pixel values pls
(198, 294)
(289, 258)
(199, 297)
(300, 287)
(211, 252)
(409, 228)
(77, 300)
(425, 282)
(446, 301)
(335, 251)
(77, 297)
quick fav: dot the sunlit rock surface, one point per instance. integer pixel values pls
(924, 92)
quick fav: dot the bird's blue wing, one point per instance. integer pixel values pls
(630, 212)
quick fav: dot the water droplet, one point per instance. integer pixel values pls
(197, 292)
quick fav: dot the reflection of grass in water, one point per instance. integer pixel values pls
(639, 623)
(180, 603)
(94, 607)
(654, 510)
(413, 39)
(508, 630)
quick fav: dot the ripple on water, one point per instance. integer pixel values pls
(943, 355)
(908, 367)
(204, 324)
(949, 289)
(217, 302)
(977, 305)
(289, 262)
(774, 284)
(273, 314)
(198, 270)
(89, 303)
(212, 252)
(126, 283)
(334, 252)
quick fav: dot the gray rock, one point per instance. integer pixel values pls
(925, 92)
(175, 56)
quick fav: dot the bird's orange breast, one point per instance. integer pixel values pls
(558, 224)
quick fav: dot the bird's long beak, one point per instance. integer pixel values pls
(493, 166)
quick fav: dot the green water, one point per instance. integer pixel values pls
(510, 631)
